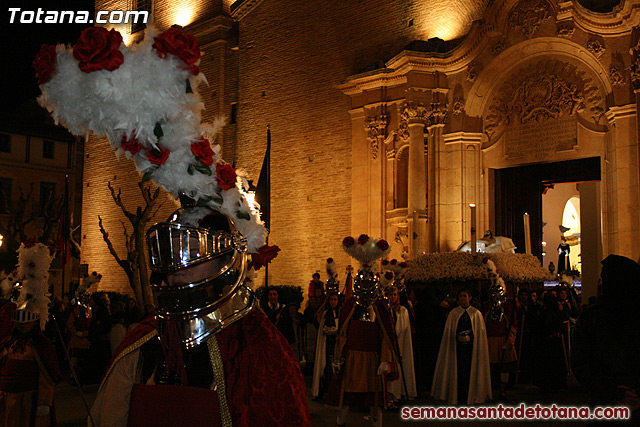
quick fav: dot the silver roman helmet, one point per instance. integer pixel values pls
(199, 264)
(366, 289)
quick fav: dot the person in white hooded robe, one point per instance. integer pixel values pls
(462, 374)
(328, 318)
(405, 345)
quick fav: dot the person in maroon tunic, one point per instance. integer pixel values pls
(209, 350)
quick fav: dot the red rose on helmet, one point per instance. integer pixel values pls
(388, 275)
(362, 239)
(385, 262)
(382, 245)
(226, 176)
(98, 49)
(45, 63)
(348, 241)
(184, 46)
(202, 150)
(403, 264)
(264, 256)
(130, 144)
(158, 157)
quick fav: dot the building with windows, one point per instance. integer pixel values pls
(35, 158)
(392, 117)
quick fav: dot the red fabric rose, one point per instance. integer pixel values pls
(202, 150)
(394, 261)
(388, 275)
(348, 241)
(264, 256)
(226, 176)
(130, 144)
(30, 242)
(158, 157)
(179, 44)
(98, 49)
(382, 245)
(362, 239)
(45, 63)
(403, 265)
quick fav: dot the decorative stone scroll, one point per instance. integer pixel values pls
(376, 127)
(566, 30)
(458, 106)
(547, 90)
(528, 15)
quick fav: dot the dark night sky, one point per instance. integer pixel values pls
(21, 42)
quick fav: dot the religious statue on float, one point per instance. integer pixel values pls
(490, 244)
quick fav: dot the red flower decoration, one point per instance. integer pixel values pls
(388, 275)
(158, 157)
(382, 245)
(30, 242)
(264, 256)
(130, 144)
(226, 176)
(394, 261)
(45, 63)
(385, 262)
(179, 44)
(98, 49)
(202, 150)
(362, 239)
(348, 241)
(403, 264)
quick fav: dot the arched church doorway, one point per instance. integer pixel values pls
(519, 190)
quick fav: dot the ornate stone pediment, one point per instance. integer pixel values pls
(547, 90)
(528, 15)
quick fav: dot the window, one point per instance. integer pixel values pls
(141, 6)
(47, 149)
(5, 195)
(5, 143)
(47, 195)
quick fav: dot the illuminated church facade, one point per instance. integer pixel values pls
(391, 118)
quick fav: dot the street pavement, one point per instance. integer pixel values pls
(71, 412)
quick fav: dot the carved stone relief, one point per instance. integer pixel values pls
(528, 15)
(472, 71)
(549, 89)
(596, 47)
(616, 76)
(565, 30)
(458, 106)
(498, 47)
(376, 127)
(634, 69)
(432, 114)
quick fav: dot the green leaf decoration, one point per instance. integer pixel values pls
(202, 168)
(190, 169)
(157, 130)
(243, 215)
(204, 201)
(189, 90)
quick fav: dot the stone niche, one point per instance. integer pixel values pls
(534, 114)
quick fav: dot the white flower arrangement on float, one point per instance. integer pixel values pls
(144, 99)
(462, 266)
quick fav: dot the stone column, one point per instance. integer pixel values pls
(417, 188)
(621, 231)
